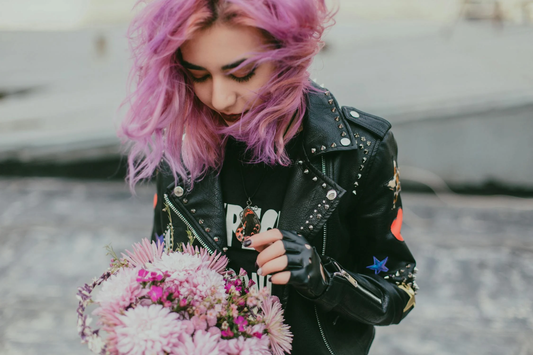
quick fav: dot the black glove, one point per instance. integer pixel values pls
(307, 274)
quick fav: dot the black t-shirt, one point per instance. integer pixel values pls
(266, 185)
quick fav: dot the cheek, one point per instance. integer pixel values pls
(203, 94)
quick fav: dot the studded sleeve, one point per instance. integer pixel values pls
(378, 288)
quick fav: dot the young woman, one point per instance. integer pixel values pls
(255, 161)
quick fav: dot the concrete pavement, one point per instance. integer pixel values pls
(475, 256)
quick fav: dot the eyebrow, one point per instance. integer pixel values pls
(225, 67)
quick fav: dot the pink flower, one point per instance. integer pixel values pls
(241, 322)
(227, 333)
(143, 253)
(245, 346)
(148, 330)
(201, 343)
(278, 332)
(199, 323)
(119, 291)
(155, 293)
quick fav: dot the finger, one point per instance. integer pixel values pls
(281, 278)
(273, 266)
(261, 240)
(270, 253)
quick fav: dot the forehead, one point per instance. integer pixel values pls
(221, 44)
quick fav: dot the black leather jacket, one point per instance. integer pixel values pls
(343, 197)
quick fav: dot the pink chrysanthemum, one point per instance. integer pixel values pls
(201, 343)
(215, 261)
(143, 253)
(148, 330)
(245, 346)
(278, 332)
(119, 291)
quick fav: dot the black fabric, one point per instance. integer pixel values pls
(342, 197)
(266, 185)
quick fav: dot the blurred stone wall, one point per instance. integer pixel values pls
(70, 14)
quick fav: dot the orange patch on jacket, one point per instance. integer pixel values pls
(397, 225)
(155, 200)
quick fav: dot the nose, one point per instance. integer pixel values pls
(223, 97)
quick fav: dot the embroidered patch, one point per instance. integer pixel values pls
(379, 266)
(396, 226)
(394, 184)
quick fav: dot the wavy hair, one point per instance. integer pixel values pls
(165, 119)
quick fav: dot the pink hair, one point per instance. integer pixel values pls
(163, 106)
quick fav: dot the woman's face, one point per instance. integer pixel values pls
(208, 57)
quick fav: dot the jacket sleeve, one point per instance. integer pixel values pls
(379, 287)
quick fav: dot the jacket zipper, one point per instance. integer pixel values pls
(354, 282)
(324, 239)
(186, 222)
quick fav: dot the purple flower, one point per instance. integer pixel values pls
(241, 322)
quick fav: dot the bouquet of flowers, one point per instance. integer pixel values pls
(157, 301)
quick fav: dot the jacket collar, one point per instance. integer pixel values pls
(325, 128)
(311, 195)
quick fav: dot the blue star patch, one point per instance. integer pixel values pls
(379, 266)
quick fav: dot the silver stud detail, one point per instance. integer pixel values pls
(331, 195)
(323, 147)
(225, 249)
(354, 114)
(337, 119)
(415, 270)
(185, 201)
(363, 139)
(318, 216)
(311, 227)
(408, 266)
(341, 126)
(315, 211)
(366, 151)
(343, 134)
(361, 146)
(326, 206)
(326, 93)
(361, 167)
(216, 239)
(300, 162)
(365, 159)
(313, 150)
(346, 141)
(208, 230)
(306, 171)
(311, 217)
(178, 191)
(356, 184)
(356, 135)
(359, 176)
(324, 185)
(334, 109)
(201, 221)
(315, 179)
(330, 101)
(306, 222)
(354, 192)
(193, 211)
(333, 145)
(301, 228)
(369, 143)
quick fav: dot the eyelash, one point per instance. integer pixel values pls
(242, 79)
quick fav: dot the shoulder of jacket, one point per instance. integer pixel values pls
(376, 125)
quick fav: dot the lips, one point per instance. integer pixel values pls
(232, 117)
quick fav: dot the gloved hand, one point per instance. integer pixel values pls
(290, 259)
(307, 273)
